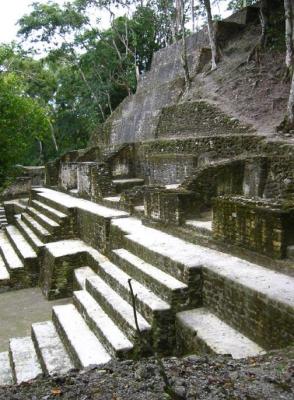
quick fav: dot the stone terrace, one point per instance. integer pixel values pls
(189, 298)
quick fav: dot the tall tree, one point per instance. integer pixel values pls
(211, 34)
(289, 34)
(23, 121)
(288, 122)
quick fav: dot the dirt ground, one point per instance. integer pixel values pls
(268, 377)
(255, 92)
(19, 309)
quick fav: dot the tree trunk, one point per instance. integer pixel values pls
(184, 57)
(193, 15)
(54, 141)
(289, 32)
(264, 22)
(211, 34)
(264, 19)
(290, 108)
(41, 152)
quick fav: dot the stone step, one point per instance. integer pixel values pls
(48, 198)
(156, 247)
(25, 252)
(81, 343)
(201, 331)
(67, 203)
(24, 360)
(50, 349)
(105, 329)
(112, 202)
(50, 225)
(30, 236)
(43, 234)
(202, 227)
(225, 284)
(124, 184)
(255, 300)
(4, 274)
(119, 310)
(139, 210)
(80, 276)
(50, 212)
(164, 285)
(20, 245)
(148, 303)
(6, 377)
(13, 263)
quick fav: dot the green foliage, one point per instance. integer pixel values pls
(22, 120)
(239, 4)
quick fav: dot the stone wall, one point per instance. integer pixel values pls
(264, 227)
(68, 175)
(121, 160)
(280, 178)
(170, 161)
(196, 119)
(52, 170)
(250, 312)
(169, 206)
(168, 168)
(21, 187)
(219, 178)
(84, 172)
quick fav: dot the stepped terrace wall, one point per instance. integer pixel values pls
(197, 119)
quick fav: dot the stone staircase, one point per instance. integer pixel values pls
(189, 298)
(22, 243)
(3, 219)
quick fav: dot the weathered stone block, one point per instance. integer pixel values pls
(84, 181)
(170, 206)
(68, 175)
(261, 226)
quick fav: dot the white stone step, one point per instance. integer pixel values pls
(39, 230)
(19, 243)
(106, 330)
(12, 261)
(275, 285)
(140, 209)
(215, 334)
(6, 377)
(147, 301)
(24, 359)
(54, 214)
(80, 341)
(64, 199)
(112, 303)
(43, 219)
(80, 276)
(128, 180)
(112, 199)
(201, 226)
(29, 234)
(4, 274)
(50, 349)
(153, 277)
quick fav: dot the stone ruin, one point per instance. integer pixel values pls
(192, 205)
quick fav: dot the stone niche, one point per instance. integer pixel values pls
(122, 161)
(52, 169)
(169, 206)
(84, 172)
(68, 175)
(266, 227)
